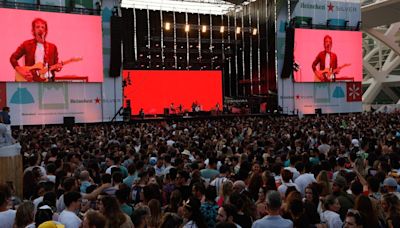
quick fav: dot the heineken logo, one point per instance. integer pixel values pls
(312, 6)
(331, 7)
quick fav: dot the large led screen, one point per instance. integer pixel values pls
(178, 91)
(327, 56)
(50, 47)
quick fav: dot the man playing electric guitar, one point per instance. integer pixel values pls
(328, 64)
(37, 50)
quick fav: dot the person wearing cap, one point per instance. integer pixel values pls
(273, 219)
(346, 201)
(187, 156)
(51, 224)
(390, 185)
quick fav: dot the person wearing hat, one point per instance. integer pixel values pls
(390, 185)
(346, 201)
(273, 219)
(51, 224)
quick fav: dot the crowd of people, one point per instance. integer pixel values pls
(327, 171)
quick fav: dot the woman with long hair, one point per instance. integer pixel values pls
(363, 204)
(255, 181)
(261, 203)
(175, 202)
(311, 202)
(323, 180)
(24, 216)
(391, 207)
(268, 181)
(110, 208)
(226, 191)
(155, 214)
(192, 214)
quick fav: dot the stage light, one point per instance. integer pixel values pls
(167, 26)
(222, 29)
(254, 31)
(238, 30)
(187, 28)
(204, 28)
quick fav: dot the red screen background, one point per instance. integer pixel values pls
(155, 90)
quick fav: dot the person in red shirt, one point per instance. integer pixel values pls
(36, 50)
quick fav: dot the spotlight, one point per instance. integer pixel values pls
(237, 30)
(204, 28)
(254, 31)
(222, 29)
(187, 28)
(167, 26)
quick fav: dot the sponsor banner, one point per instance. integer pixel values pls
(330, 97)
(49, 103)
(338, 12)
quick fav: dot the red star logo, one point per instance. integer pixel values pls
(354, 91)
(97, 100)
(330, 7)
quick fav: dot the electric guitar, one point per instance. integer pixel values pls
(325, 75)
(41, 70)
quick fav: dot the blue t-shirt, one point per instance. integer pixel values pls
(6, 118)
(209, 212)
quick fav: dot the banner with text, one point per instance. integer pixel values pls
(49, 103)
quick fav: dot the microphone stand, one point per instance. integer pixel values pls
(48, 73)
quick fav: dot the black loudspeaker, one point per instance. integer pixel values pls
(128, 103)
(166, 111)
(126, 114)
(318, 111)
(288, 59)
(69, 121)
(127, 38)
(116, 39)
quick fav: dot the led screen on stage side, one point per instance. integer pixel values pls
(50, 47)
(155, 90)
(327, 56)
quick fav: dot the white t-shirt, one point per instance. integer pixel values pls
(303, 181)
(7, 219)
(39, 53)
(69, 219)
(296, 173)
(190, 224)
(332, 219)
(284, 186)
(37, 201)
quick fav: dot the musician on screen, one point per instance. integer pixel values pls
(327, 61)
(41, 57)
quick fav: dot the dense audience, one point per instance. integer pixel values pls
(330, 171)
